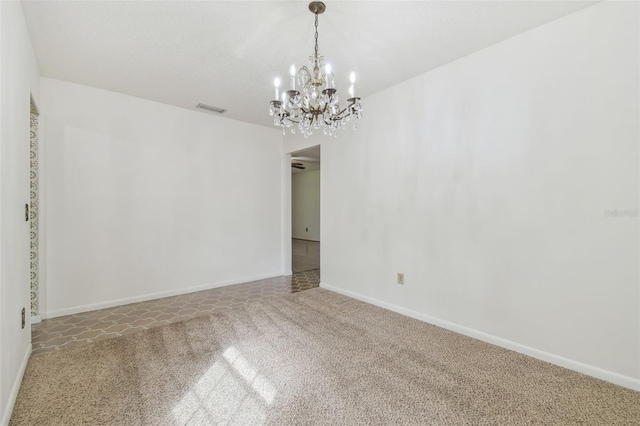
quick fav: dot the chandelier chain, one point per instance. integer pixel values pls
(316, 34)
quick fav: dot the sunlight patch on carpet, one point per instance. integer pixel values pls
(228, 389)
(250, 373)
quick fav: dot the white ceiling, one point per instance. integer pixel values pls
(227, 53)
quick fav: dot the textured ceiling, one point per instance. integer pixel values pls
(227, 54)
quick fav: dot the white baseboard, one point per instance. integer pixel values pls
(151, 296)
(287, 273)
(305, 239)
(36, 319)
(609, 376)
(15, 388)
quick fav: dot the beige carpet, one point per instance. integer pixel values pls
(309, 358)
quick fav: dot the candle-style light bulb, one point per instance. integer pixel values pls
(352, 88)
(276, 84)
(327, 75)
(292, 71)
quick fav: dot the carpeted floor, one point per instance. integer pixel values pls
(314, 357)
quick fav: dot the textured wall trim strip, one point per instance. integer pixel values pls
(34, 214)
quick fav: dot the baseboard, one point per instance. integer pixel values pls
(36, 319)
(151, 296)
(287, 273)
(609, 376)
(15, 388)
(305, 239)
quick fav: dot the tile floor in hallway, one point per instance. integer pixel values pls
(87, 327)
(305, 255)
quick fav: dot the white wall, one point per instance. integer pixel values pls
(305, 205)
(146, 199)
(486, 180)
(18, 78)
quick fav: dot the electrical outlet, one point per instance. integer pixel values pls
(400, 278)
(307, 229)
(23, 318)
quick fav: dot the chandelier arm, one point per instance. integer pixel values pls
(306, 71)
(348, 107)
(339, 116)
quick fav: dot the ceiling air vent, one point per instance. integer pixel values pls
(211, 108)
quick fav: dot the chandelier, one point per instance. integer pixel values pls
(312, 101)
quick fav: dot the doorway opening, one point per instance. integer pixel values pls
(34, 189)
(305, 216)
